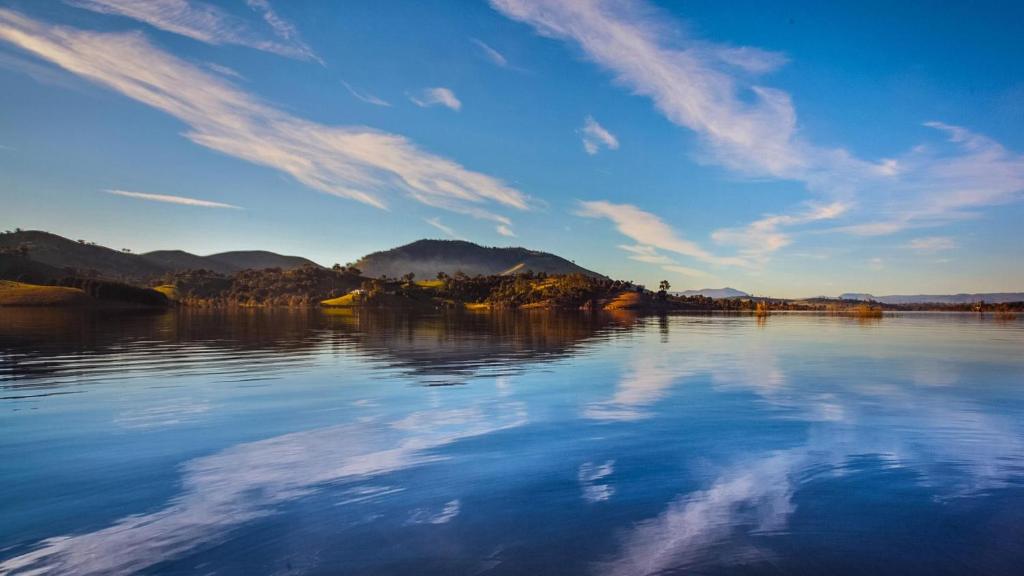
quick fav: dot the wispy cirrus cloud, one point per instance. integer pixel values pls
(650, 232)
(439, 96)
(938, 183)
(768, 234)
(209, 24)
(169, 199)
(224, 70)
(596, 137)
(436, 223)
(694, 84)
(364, 96)
(495, 57)
(932, 244)
(651, 255)
(357, 163)
(282, 28)
(715, 90)
(647, 254)
(687, 271)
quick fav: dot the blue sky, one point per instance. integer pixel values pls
(789, 150)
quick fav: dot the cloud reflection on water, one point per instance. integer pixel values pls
(949, 441)
(248, 481)
(810, 399)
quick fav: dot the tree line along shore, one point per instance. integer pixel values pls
(346, 287)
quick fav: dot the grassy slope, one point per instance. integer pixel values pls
(345, 301)
(168, 290)
(21, 294)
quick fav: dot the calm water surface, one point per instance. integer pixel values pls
(316, 443)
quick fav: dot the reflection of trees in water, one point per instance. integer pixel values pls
(451, 345)
(87, 344)
(84, 345)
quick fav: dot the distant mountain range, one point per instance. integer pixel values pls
(36, 256)
(225, 262)
(52, 254)
(715, 293)
(990, 297)
(425, 258)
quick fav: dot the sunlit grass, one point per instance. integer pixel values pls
(21, 294)
(168, 290)
(345, 300)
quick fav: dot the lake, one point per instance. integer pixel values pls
(313, 442)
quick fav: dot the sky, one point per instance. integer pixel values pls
(784, 149)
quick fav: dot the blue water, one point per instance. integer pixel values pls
(315, 443)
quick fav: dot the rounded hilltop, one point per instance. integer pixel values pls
(426, 258)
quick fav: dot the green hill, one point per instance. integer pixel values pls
(37, 256)
(226, 263)
(425, 258)
(82, 257)
(179, 260)
(259, 259)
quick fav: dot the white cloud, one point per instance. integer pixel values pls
(496, 58)
(207, 23)
(505, 231)
(649, 230)
(934, 185)
(932, 244)
(41, 73)
(751, 129)
(648, 254)
(436, 223)
(182, 200)
(686, 271)
(690, 82)
(349, 162)
(281, 27)
(224, 70)
(596, 136)
(436, 97)
(749, 59)
(762, 237)
(364, 96)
